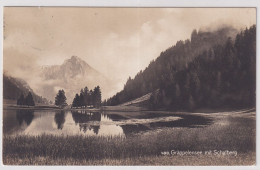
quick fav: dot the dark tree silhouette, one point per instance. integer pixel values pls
(76, 101)
(88, 98)
(29, 100)
(97, 97)
(21, 100)
(91, 98)
(60, 99)
(81, 99)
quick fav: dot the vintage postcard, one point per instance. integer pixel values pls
(129, 86)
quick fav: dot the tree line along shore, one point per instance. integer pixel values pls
(86, 99)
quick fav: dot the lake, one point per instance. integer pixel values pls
(106, 123)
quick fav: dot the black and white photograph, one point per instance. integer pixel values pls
(129, 86)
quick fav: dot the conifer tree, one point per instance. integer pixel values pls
(60, 99)
(29, 100)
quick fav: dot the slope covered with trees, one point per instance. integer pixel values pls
(210, 70)
(13, 88)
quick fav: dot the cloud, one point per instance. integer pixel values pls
(19, 63)
(118, 42)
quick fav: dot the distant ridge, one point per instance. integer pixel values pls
(14, 87)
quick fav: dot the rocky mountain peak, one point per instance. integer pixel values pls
(72, 75)
(76, 62)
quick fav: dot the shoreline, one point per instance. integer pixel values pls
(125, 109)
(47, 108)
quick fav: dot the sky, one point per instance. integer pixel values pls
(118, 42)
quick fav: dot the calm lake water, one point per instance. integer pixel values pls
(37, 122)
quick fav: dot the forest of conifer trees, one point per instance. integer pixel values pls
(88, 98)
(212, 70)
(26, 101)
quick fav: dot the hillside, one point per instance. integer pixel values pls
(212, 69)
(14, 87)
(138, 100)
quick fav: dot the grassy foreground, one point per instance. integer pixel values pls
(203, 160)
(229, 132)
